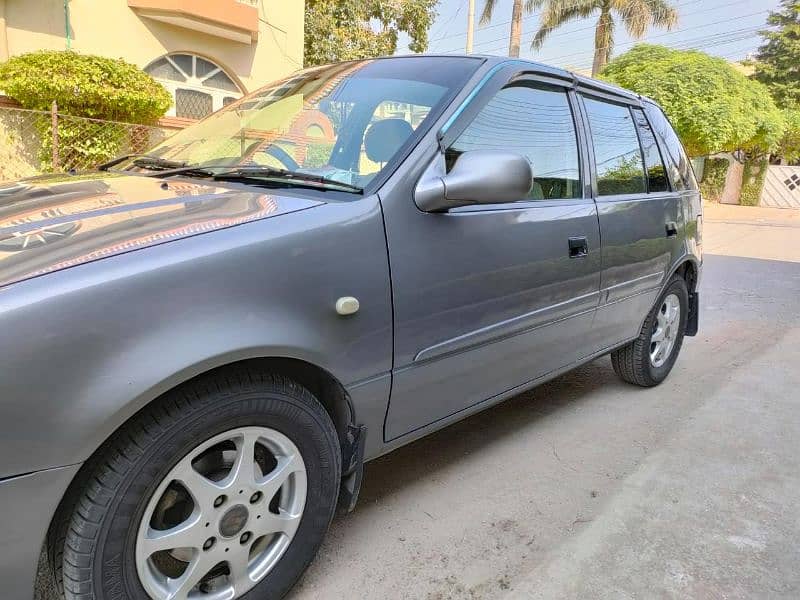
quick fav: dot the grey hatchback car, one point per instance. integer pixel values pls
(203, 345)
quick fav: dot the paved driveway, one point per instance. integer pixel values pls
(587, 487)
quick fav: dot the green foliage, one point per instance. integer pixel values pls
(714, 107)
(84, 85)
(789, 147)
(777, 63)
(714, 173)
(753, 181)
(319, 153)
(79, 148)
(342, 29)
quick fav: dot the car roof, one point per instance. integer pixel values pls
(578, 79)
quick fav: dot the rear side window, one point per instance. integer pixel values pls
(679, 168)
(617, 155)
(535, 121)
(656, 172)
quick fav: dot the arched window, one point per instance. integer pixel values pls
(198, 86)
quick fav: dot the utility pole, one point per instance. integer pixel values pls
(470, 24)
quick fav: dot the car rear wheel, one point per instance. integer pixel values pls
(223, 489)
(648, 359)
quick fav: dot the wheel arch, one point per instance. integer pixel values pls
(689, 269)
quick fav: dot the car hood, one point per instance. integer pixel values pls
(53, 222)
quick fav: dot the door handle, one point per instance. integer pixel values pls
(578, 247)
(672, 229)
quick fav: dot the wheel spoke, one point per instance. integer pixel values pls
(283, 522)
(273, 481)
(188, 534)
(197, 569)
(202, 489)
(658, 335)
(239, 568)
(243, 472)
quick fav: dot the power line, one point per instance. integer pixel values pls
(719, 38)
(661, 35)
(535, 14)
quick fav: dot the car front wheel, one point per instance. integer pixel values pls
(224, 488)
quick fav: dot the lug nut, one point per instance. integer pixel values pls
(245, 537)
(219, 501)
(208, 543)
(255, 497)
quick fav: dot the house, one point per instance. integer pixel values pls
(207, 53)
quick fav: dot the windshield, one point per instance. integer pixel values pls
(344, 122)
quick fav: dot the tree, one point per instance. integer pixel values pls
(343, 29)
(714, 107)
(789, 147)
(777, 63)
(637, 15)
(516, 22)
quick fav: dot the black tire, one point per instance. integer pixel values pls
(92, 542)
(632, 362)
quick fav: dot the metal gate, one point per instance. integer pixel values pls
(781, 187)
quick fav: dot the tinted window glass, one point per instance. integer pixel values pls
(536, 122)
(678, 166)
(656, 173)
(617, 155)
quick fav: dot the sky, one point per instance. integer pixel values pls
(727, 28)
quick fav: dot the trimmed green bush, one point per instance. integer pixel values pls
(755, 171)
(714, 173)
(83, 86)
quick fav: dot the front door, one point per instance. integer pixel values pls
(488, 298)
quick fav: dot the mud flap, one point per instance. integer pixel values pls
(693, 321)
(353, 468)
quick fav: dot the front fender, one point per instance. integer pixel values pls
(86, 347)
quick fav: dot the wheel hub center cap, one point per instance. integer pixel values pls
(233, 521)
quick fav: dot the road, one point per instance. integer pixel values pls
(588, 487)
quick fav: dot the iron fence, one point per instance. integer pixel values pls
(34, 142)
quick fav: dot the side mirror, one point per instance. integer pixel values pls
(477, 177)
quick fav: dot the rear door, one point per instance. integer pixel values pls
(640, 216)
(490, 297)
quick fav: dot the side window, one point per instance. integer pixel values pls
(617, 155)
(535, 121)
(656, 172)
(678, 166)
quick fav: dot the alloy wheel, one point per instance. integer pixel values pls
(221, 519)
(665, 332)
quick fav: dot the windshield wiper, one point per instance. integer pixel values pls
(289, 177)
(145, 161)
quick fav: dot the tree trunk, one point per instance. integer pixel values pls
(516, 29)
(602, 39)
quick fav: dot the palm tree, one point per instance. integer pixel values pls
(637, 15)
(516, 22)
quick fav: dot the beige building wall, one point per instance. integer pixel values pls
(111, 28)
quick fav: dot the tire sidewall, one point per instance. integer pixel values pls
(114, 565)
